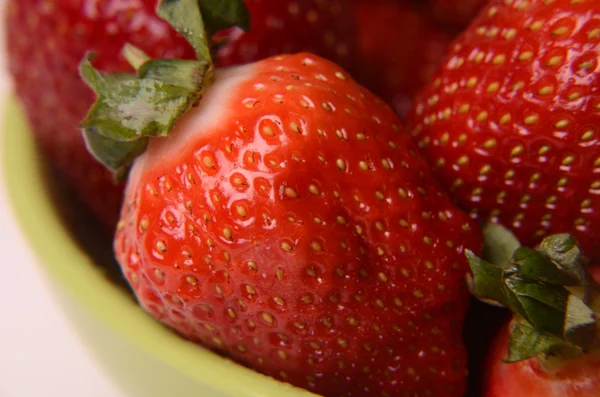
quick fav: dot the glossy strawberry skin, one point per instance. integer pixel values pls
(398, 50)
(46, 40)
(303, 236)
(509, 125)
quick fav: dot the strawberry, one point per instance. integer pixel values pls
(55, 99)
(554, 377)
(509, 125)
(398, 50)
(322, 27)
(551, 347)
(45, 42)
(285, 221)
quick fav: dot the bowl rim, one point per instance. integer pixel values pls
(38, 219)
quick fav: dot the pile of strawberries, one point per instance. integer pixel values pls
(304, 185)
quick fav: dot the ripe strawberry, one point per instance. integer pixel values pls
(286, 221)
(45, 42)
(398, 50)
(555, 377)
(55, 100)
(551, 347)
(510, 123)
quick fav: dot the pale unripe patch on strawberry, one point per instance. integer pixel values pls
(213, 108)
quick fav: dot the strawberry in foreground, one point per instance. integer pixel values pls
(552, 345)
(286, 221)
(46, 39)
(510, 124)
(398, 50)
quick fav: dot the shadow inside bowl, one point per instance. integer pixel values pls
(83, 227)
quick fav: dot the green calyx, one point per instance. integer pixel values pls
(547, 288)
(132, 108)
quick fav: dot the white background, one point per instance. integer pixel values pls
(40, 355)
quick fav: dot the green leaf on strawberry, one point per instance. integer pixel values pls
(131, 108)
(220, 15)
(148, 106)
(186, 18)
(547, 288)
(526, 342)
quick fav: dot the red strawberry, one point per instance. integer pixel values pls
(552, 345)
(322, 27)
(456, 12)
(534, 377)
(287, 222)
(45, 42)
(398, 50)
(48, 38)
(510, 124)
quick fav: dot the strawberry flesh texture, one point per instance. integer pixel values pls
(510, 123)
(398, 50)
(267, 240)
(47, 40)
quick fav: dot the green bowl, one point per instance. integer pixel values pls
(144, 358)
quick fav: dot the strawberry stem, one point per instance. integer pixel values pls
(132, 108)
(135, 56)
(548, 289)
